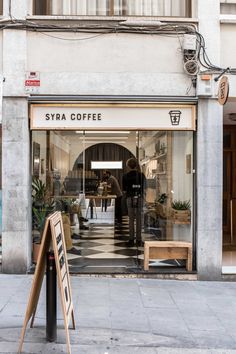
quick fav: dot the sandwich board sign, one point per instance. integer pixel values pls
(53, 237)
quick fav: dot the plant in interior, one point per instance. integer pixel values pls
(181, 211)
(42, 205)
(181, 205)
(64, 205)
(162, 199)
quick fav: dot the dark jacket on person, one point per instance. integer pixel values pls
(133, 183)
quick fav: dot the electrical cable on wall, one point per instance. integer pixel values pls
(192, 59)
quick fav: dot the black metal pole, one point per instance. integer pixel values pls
(51, 298)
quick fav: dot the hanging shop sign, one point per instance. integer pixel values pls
(112, 116)
(223, 91)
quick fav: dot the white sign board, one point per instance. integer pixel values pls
(32, 82)
(109, 165)
(112, 116)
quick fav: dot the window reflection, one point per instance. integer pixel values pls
(166, 160)
(177, 8)
(61, 160)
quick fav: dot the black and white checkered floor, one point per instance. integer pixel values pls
(104, 249)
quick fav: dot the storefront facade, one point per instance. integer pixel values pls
(138, 91)
(72, 145)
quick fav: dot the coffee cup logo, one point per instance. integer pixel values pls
(175, 116)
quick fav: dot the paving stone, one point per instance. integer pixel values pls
(128, 316)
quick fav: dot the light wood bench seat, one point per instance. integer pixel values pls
(167, 250)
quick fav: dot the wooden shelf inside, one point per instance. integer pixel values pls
(177, 222)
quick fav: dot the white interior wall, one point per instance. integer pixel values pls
(60, 153)
(59, 141)
(150, 148)
(40, 138)
(182, 182)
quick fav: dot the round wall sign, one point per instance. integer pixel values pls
(223, 90)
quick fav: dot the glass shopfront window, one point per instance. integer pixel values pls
(166, 160)
(69, 167)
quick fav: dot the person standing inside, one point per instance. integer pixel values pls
(104, 184)
(115, 189)
(133, 186)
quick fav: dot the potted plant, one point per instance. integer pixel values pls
(42, 206)
(181, 211)
(161, 206)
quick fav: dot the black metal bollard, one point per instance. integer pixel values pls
(51, 298)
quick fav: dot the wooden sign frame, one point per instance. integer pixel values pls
(53, 236)
(223, 90)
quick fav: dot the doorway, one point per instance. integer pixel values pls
(229, 197)
(69, 163)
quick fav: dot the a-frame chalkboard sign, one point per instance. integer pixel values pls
(53, 238)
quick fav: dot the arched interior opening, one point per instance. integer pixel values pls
(104, 152)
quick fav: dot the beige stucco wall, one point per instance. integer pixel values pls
(107, 64)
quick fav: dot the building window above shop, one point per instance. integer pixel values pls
(167, 8)
(228, 7)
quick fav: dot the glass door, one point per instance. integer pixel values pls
(229, 200)
(166, 160)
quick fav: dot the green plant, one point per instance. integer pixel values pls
(39, 217)
(64, 204)
(162, 198)
(39, 192)
(181, 205)
(42, 204)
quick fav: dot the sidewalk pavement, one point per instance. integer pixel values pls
(126, 315)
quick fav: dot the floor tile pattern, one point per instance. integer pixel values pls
(104, 248)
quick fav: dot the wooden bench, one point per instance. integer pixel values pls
(167, 250)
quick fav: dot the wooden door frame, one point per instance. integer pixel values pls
(231, 151)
